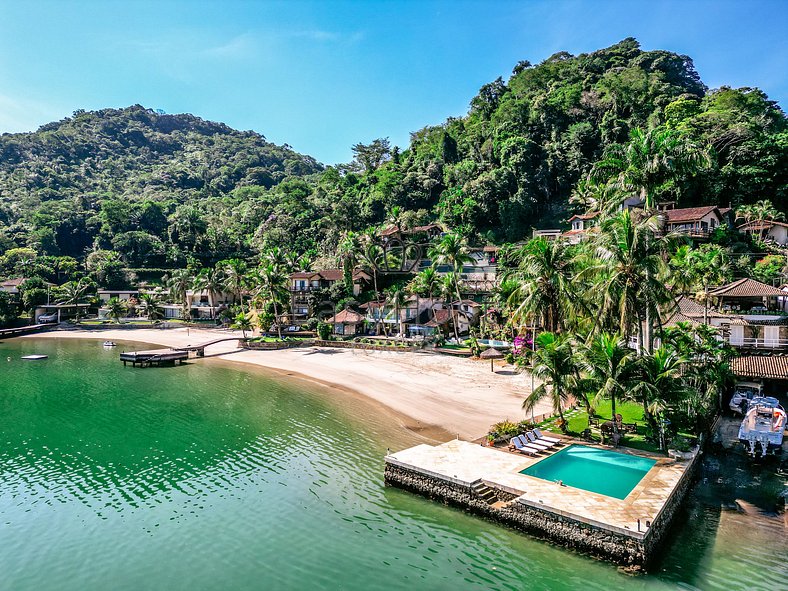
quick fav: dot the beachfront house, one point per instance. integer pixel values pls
(347, 323)
(304, 284)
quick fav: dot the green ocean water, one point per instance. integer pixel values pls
(211, 476)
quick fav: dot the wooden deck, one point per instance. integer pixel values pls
(154, 357)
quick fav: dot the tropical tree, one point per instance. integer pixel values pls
(151, 306)
(553, 362)
(235, 280)
(452, 250)
(242, 322)
(272, 289)
(116, 309)
(760, 214)
(629, 274)
(397, 298)
(609, 366)
(76, 292)
(179, 282)
(210, 280)
(545, 290)
(659, 385)
(651, 162)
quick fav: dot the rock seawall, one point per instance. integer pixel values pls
(633, 551)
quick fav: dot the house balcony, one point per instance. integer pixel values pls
(772, 344)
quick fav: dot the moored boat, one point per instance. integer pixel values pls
(743, 392)
(110, 344)
(762, 428)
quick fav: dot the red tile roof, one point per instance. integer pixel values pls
(746, 288)
(346, 317)
(13, 282)
(773, 367)
(689, 214)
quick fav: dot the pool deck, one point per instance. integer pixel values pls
(463, 463)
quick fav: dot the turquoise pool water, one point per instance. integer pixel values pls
(605, 472)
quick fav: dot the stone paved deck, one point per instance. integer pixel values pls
(462, 463)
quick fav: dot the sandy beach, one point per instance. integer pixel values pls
(440, 394)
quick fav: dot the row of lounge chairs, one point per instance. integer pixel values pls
(533, 442)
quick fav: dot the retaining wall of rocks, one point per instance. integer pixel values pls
(632, 551)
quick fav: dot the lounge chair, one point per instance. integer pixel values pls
(535, 446)
(545, 438)
(533, 440)
(516, 445)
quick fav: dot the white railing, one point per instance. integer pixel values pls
(758, 343)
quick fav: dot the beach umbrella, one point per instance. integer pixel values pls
(491, 354)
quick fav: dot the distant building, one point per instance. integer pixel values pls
(777, 232)
(581, 224)
(696, 222)
(12, 285)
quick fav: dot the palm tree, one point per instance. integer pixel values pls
(398, 299)
(75, 293)
(452, 250)
(179, 282)
(650, 161)
(272, 288)
(243, 323)
(629, 272)
(116, 309)
(763, 212)
(553, 363)
(151, 306)
(659, 384)
(210, 280)
(545, 284)
(609, 366)
(234, 272)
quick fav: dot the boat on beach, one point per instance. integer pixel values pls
(762, 428)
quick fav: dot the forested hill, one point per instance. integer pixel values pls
(60, 184)
(162, 190)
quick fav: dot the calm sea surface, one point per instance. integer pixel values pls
(209, 476)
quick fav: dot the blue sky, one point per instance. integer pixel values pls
(322, 76)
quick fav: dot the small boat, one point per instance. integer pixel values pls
(110, 344)
(763, 425)
(34, 357)
(743, 392)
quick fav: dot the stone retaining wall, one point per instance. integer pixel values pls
(631, 551)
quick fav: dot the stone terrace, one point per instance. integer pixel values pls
(463, 463)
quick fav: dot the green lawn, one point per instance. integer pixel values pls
(630, 411)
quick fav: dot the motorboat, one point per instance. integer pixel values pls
(34, 357)
(743, 392)
(110, 344)
(762, 428)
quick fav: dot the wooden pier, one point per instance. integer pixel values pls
(154, 357)
(168, 356)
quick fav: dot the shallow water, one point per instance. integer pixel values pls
(212, 476)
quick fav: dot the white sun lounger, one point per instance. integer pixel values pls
(545, 438)
(535, 446)
(532, 439)
(522, 448)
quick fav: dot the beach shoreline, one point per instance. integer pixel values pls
(434, 396)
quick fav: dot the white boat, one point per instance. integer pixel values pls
(743, 392)
(110, 344)
(34, 357)
(762, 428)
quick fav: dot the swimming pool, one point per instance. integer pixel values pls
(597, 470)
